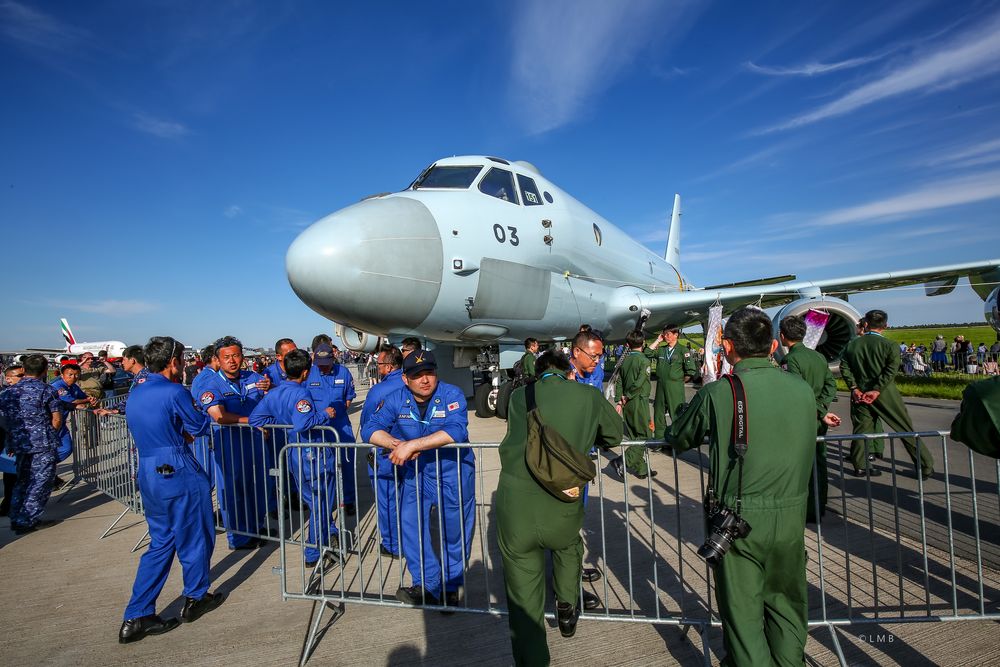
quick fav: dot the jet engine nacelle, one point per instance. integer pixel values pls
(992, 309)
(840, 329)
(357, 341)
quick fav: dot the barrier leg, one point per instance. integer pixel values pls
(312, 639)
(114, 523)
(836, 646)
(139, 543)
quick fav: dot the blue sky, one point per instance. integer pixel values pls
(158, 157)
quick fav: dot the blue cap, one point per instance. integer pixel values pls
(419, 360)
(323, 355)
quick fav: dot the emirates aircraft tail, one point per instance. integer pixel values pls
(67, 333)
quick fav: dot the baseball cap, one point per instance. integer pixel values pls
(419, 360)
(323, 355)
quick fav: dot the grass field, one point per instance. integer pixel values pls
(977, 334)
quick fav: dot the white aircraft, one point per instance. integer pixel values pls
(479, 251)
(114, 348)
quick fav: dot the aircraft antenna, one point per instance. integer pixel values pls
(673, 252)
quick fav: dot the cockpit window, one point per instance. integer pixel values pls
(458, 178)
(499, 183)
(529, 193)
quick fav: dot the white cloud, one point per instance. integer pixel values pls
(565, 53)
(929, 197)
(812, 69)
(980, 152)
(233, 211)
(113, 307)
(159, 127)
(35, 30)
(968, 56)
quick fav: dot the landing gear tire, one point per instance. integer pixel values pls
(503, 399)
(485, 403)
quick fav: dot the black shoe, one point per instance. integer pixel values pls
(382, 549)
(872, 458)
(590, 574)
(135, 629)
(590, 601)
(195, 609)
(38, 525)
(619, 468)
(567, 616)
(350, 509)
(248, 545)
(451, 599)
(872, 472)
(926, 474)
(58, 483)
(416, 595)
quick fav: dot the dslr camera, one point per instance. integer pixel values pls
(724, 527)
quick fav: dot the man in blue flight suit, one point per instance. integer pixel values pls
(202, 446)
(386, 478)
(312, 469)
(276, 371)
(331, 385)
(176, 495)
(33, 413)
(133, 363)
(413, 423)
(72, 398)
(595, 376)
(229, 396)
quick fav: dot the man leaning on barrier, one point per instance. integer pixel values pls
(530, 521)
(313, 469)
(812, 367)
(176, 494)
(413, 423)
(759, 571)
(977, 423)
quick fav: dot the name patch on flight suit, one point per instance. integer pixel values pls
(438, 413)
(341, 381)
(207, 398)
(303, 406)
(314, 384)
(252, 385)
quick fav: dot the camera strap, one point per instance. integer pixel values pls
(741, 432)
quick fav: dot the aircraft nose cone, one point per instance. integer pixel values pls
(370, 266)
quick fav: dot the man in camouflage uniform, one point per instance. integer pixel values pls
(674, 367)
(34, 415)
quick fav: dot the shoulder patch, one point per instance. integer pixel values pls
(140, 380)
(303, 406)
(453, 406)
(207, 398)
(61, 392)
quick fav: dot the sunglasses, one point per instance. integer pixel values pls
(593, 357)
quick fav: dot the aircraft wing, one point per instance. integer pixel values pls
(685, 307)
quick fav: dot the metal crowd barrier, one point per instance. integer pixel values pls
(891, 549)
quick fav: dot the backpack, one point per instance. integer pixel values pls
(521, 378)
(554, 464)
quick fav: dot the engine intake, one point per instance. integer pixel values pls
(840, 329)
(356, 340)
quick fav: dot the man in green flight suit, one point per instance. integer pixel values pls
(977, 423)
(674, 367)
(761, 581)
(530, 521)
(634, 402)
(869, 368)
(812, 367)
(528, 360)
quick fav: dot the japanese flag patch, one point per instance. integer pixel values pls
(140, 381)
(453, 406)
(62, 392)
(207, 398)
(303, 406)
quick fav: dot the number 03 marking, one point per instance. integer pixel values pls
(501, 234)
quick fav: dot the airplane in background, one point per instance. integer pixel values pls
(114, 348)
(480, 252)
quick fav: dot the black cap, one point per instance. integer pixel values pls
(419, 360)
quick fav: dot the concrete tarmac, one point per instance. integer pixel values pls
(65, 589)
